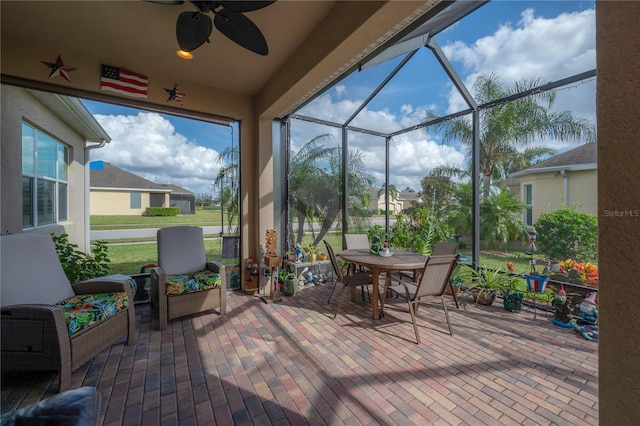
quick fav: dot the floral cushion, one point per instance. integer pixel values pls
(84, 310)
(188, 283)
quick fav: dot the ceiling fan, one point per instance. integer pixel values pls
(194, 28)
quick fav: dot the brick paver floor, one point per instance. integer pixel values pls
(291, 363)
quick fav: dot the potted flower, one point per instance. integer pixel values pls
(486, 283)
(377, 237)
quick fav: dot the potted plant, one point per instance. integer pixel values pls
(322, 255)
(461, 278)
(312, 253)
(377, 236)
(486, 283)
(513, 291)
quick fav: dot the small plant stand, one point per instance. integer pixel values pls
(536, 285)
(272, 262)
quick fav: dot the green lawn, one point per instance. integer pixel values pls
(127, 258)
(202, 217)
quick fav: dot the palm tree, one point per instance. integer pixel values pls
(458, 211)
(228, 174)
(500, 214)
(315, 186)
(304, 173)
(507, 128)
(501, 217)
(520, 160)
(329, 197)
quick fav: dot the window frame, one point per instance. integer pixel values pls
(39, 207)
(527, 199)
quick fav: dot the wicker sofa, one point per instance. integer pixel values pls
(34, 294)
(182, 259)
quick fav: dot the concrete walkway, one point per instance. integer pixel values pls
(122, 234)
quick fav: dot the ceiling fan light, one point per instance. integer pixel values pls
(184, 54)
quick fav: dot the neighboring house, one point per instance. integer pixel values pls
(570, 178)
(408, 197)
(117, 192)
(404, 200)
(182, 198)
(46, 144)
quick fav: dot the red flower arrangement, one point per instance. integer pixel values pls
(588, 271)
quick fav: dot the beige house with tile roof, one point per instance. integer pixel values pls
(404, 200)
(570, 178)
(115, 191)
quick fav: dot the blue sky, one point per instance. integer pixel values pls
(514, 39)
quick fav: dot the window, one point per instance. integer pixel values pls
(45, 178)
(528, 201)
(135, 200)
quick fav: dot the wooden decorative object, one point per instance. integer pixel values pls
(273, 261)
(271, 242)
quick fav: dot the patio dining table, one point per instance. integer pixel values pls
(398, 261)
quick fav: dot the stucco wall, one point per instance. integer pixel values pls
(583, 190)
(18, 105)
(549, 192)
(118, 203)
(618, 103)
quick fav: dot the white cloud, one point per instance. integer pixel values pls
(148, 146)
(548, 48)
(412, 155)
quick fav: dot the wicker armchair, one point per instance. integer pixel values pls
(181, 256)
(35, 334)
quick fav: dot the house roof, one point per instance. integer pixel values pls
(583, 157)
(106, 176)
(177, 190)
(73, 112)
(408, 194)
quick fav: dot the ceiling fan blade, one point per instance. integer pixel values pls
(241, 30)
(244, 6)
(192, 30)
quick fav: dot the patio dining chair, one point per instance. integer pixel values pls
(358, 241)
(440, 248)
(433, 280)
(353, 279)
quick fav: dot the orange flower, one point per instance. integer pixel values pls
(510, 266)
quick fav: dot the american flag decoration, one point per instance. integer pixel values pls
(58, 69)
(175, 94)
(123, 81)
(536, 283)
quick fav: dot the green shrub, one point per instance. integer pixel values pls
(566, 233)
(162, 211)
(77, 265)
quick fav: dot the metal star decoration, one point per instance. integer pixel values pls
(58, 69)
(175, 94)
